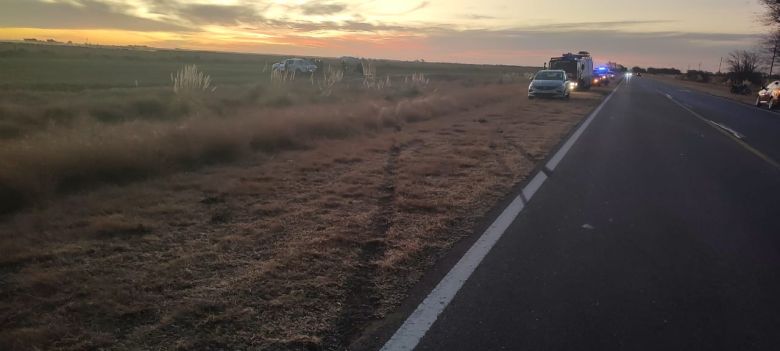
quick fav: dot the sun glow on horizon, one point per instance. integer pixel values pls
(491, 31)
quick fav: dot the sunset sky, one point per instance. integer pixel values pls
(657, 33)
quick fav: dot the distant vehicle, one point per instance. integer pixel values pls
(770, 95)
(351, 64)
(578, 68)
(550, 83)
(598, 81)
(604, 73)
(600, 78)
(296, 65)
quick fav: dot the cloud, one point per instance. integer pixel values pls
(343, 26)
(642, 48)
(421, 6)
(77, 14)
(593, 25)
(479, 17)
(218, 14)
(316, 8)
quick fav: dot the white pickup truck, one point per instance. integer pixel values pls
(296, 65)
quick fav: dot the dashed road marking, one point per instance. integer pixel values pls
(730, 135)
(733, 132)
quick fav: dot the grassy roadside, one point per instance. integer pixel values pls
(265, 215)
(285, 251)
(111, 117)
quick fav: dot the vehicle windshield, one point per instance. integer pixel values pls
(549, 75)
(569, 66)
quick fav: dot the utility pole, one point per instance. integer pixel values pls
(720, 64)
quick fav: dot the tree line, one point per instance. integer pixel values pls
(753, 65)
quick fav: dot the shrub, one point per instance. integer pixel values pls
(280, 101)
(107, 114)
(11, 199)
(653, 70)
(698, 76)
(149, 108)
(59, 115)
(744, 65)
(9, 131)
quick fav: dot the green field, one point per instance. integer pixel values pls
(73, 117)
(64, 67)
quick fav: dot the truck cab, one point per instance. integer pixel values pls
(578, 68)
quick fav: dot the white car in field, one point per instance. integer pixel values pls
(296, 65)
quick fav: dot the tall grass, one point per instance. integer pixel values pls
(330, 77)
(417, 79)
(282, 76)
(189, 79)
(62, 160)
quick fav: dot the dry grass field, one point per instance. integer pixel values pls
(259, 216)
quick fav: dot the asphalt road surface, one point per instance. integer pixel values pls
(657, 231)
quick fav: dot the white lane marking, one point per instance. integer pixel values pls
(736, 134)
(534, 185)
(739, 141)
(573, 139)
(734, 102)
(420, 321)
(414, 328)
(726, 128)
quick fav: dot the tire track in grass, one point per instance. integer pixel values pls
(362, 299)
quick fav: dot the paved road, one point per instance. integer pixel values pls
(655, 232)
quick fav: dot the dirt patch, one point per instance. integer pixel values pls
(294, 250)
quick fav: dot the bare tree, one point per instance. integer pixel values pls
(744, 65)
(772, 16)
(769, 48)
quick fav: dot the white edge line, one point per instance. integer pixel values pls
(556, 159)
(732, 101)
(534, 185)
(420, 321)
(733, 132)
